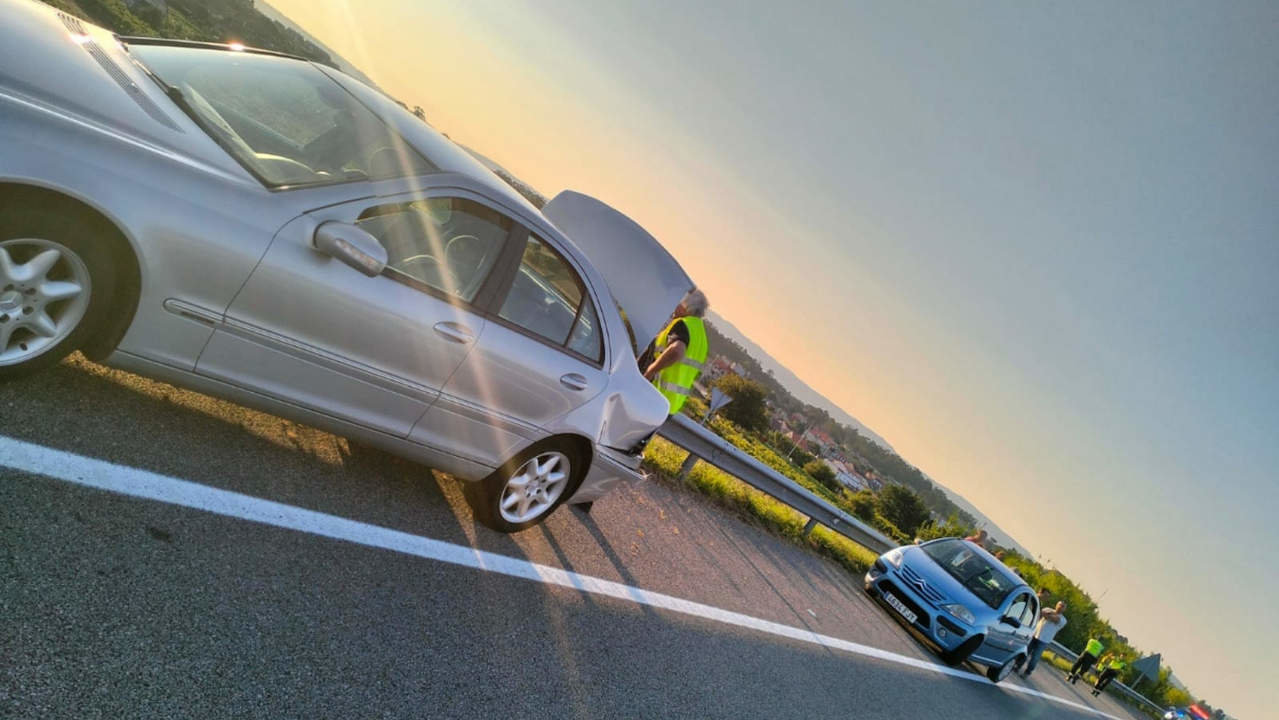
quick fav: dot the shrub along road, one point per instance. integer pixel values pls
(126, 607)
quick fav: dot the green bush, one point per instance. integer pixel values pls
(747, 408)
(822, 473)
(863, 504)
(902, 507)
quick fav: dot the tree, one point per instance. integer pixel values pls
(903, 508)
(822, 473)
(863, 504)
(953, 527)
(747, 409)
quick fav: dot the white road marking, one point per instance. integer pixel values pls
(103, 475)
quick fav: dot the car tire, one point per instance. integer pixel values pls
(962, 652)
(502, 501)
(42, 320)
(996, 674)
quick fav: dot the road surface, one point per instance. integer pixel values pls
(239, 565)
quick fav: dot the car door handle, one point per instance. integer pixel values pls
(573, 381)
(454, 332)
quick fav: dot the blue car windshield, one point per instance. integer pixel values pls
(964, 563)
(284, 120)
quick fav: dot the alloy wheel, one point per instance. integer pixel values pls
(44, 294)
(535, 487)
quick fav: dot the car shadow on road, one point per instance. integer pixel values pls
(88, 409)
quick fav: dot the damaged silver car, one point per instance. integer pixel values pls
(269, 230)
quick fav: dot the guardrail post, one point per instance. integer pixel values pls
(808, 528)
(687, 467)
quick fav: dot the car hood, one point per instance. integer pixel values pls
(644, 279)
(80, 73)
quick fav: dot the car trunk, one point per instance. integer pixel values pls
(645, 280)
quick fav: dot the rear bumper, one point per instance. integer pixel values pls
(608, 468)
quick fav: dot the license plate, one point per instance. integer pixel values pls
(897, 605)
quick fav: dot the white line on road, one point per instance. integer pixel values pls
(104, 475)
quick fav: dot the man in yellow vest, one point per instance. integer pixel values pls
(1086, 659)
(1109, 667)
(680, 351)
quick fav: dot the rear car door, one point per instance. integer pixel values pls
(376, 351)
(541, 356)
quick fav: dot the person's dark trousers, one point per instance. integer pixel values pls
(1033, 651)
(1106, 676)
(1081, 666)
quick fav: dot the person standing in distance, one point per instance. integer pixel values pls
(1086, 658)
(680, 351)
(1109, 667)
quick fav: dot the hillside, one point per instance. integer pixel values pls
(205, 20)
(791, 382)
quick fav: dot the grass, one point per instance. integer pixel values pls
(727, 491)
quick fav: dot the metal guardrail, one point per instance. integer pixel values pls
(704, 445)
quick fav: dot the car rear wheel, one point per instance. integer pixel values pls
(56, 281)
(997, 674)
(527, 488)
(962, 651)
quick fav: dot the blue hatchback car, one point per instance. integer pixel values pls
(961, 599)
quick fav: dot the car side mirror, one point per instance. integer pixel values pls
(1008, 620)
(352, 246)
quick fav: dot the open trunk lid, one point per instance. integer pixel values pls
(645, 280)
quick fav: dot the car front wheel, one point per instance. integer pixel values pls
(56, 281)
(527, 488)
(997, 674)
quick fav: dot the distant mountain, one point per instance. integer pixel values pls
(341, 62)
(791, 381)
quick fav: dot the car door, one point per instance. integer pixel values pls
(376, 351)
(541, 356)
(1004, 638)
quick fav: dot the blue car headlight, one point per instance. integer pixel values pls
(960, 612)
(894, 557)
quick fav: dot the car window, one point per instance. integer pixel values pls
(545, 299)
(448, 244)
(284, 119)
(972, 568)
(1018, 608)
(1032, 611)
(585, 339)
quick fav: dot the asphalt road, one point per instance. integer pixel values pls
(115, 606)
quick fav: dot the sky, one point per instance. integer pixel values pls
(1033, 245)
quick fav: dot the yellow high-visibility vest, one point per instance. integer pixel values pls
(1094, 647)
(676, 382)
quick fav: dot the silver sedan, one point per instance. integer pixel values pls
(272, 231)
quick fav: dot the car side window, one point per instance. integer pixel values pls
(548, 299)
(1018, 607)
(1032, 612)
(447, 244)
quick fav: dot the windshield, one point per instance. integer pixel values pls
(286, 121)
(970, 568)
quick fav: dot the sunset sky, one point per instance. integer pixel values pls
(1035, 246)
